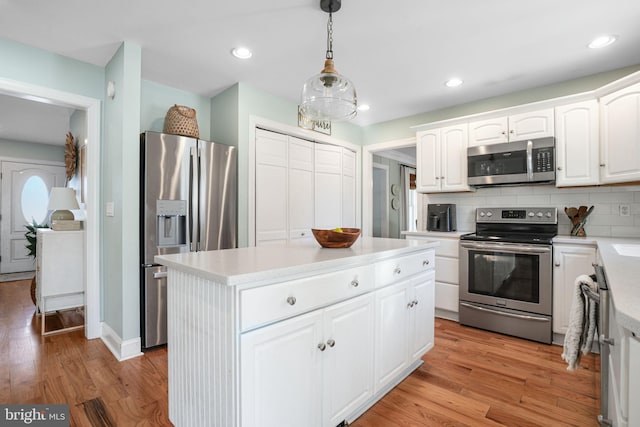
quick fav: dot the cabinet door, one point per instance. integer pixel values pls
(634, 380)
(348, 358)
(422, 317)
(577, 146)
(391, 339)
(428, 161)
(328, 186)
(348, 188)
(453, 160)
(570, 261)
(282, 391)
(620, 136)
(271, 187)
(537, 124)
(300, 194)
(490, 131)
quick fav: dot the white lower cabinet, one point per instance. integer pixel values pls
(569, 262)
(404, 326)
(311, 370)
(634, 380)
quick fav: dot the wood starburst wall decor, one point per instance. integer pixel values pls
(70, 156)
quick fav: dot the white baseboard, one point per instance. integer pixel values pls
(446, 314)
(122, 350)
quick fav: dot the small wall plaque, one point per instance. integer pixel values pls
(322, 126)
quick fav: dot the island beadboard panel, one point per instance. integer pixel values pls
(202, 357)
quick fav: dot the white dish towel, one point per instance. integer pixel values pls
(582, 323)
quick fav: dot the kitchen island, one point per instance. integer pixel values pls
(295, 334)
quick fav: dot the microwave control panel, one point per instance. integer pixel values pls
(543, 160)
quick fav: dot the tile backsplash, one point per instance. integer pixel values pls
(604, 221)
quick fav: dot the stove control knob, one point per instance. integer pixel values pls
(531, 214)
(539, 214)
(548, 214)
(481, 214)
(489, 214)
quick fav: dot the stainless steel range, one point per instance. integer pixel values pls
(506, 282)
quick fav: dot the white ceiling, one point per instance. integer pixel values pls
(398, 54)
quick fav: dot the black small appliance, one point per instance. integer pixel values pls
(441, 217)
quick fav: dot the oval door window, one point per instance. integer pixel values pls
(35, 198)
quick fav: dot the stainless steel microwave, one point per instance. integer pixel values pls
(520, 162)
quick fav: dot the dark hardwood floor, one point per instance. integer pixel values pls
(470, 378)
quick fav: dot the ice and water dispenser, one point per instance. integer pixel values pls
(171, 222)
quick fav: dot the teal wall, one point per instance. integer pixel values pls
(120, 182)
(224, 116)
(31, 151)
(27, 64)
(401, 128)
(156, 99)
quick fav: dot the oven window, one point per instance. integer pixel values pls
(505, 275)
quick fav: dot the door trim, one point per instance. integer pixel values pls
(367, 180)
(92, 106)
(385, 226)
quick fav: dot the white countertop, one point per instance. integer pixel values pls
(450, 234)
(623, 278)
(273, 262)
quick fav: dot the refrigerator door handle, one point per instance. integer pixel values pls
(193, 193)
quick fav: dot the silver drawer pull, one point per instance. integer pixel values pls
(410, 305)
(160, 275)
(397, 270)
(331, 342)
(321, 346)
(425, 262)
(355, 283)
(291, 300)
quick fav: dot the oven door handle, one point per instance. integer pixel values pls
(504, 313)
(506, 247)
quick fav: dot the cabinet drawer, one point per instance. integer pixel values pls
(393, 270)
(448, 270)
(448, 247)
(267, 304)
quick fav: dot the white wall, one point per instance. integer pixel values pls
(604, 221)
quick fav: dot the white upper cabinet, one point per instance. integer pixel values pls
(442, 159)
(536, 124)
(577, 143)
(620, 135)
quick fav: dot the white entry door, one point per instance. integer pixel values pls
(25, 194)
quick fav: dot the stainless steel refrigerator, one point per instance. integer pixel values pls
(188, 203)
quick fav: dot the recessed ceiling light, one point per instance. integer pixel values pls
(454, 82)
(363, 107)
(602, 41)
(241, 52)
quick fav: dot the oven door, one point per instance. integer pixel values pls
(507, 275)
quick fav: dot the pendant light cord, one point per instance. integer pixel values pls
(330, 37)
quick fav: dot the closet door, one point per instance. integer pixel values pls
(328, 186)
(301, 189)
(348, 188)
(271, 187)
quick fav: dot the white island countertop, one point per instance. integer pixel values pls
(273, 262)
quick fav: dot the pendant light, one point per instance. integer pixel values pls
(329, 95)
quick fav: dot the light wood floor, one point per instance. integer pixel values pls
(470, 378)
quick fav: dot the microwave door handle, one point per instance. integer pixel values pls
(530, 160)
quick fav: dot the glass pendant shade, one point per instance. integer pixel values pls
(329, 96)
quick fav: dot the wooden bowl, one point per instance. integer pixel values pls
(336, 239)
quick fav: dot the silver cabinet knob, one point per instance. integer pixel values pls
(331, 342)
(425, 262)
(302, 234)
(355, 283)
(559, 168)
(415, 302)
(557, 264)
(322, 347)
(442, 177)
(397, 270)
(437, 177)
(410, 305)
(601, 165)
(291, 300)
